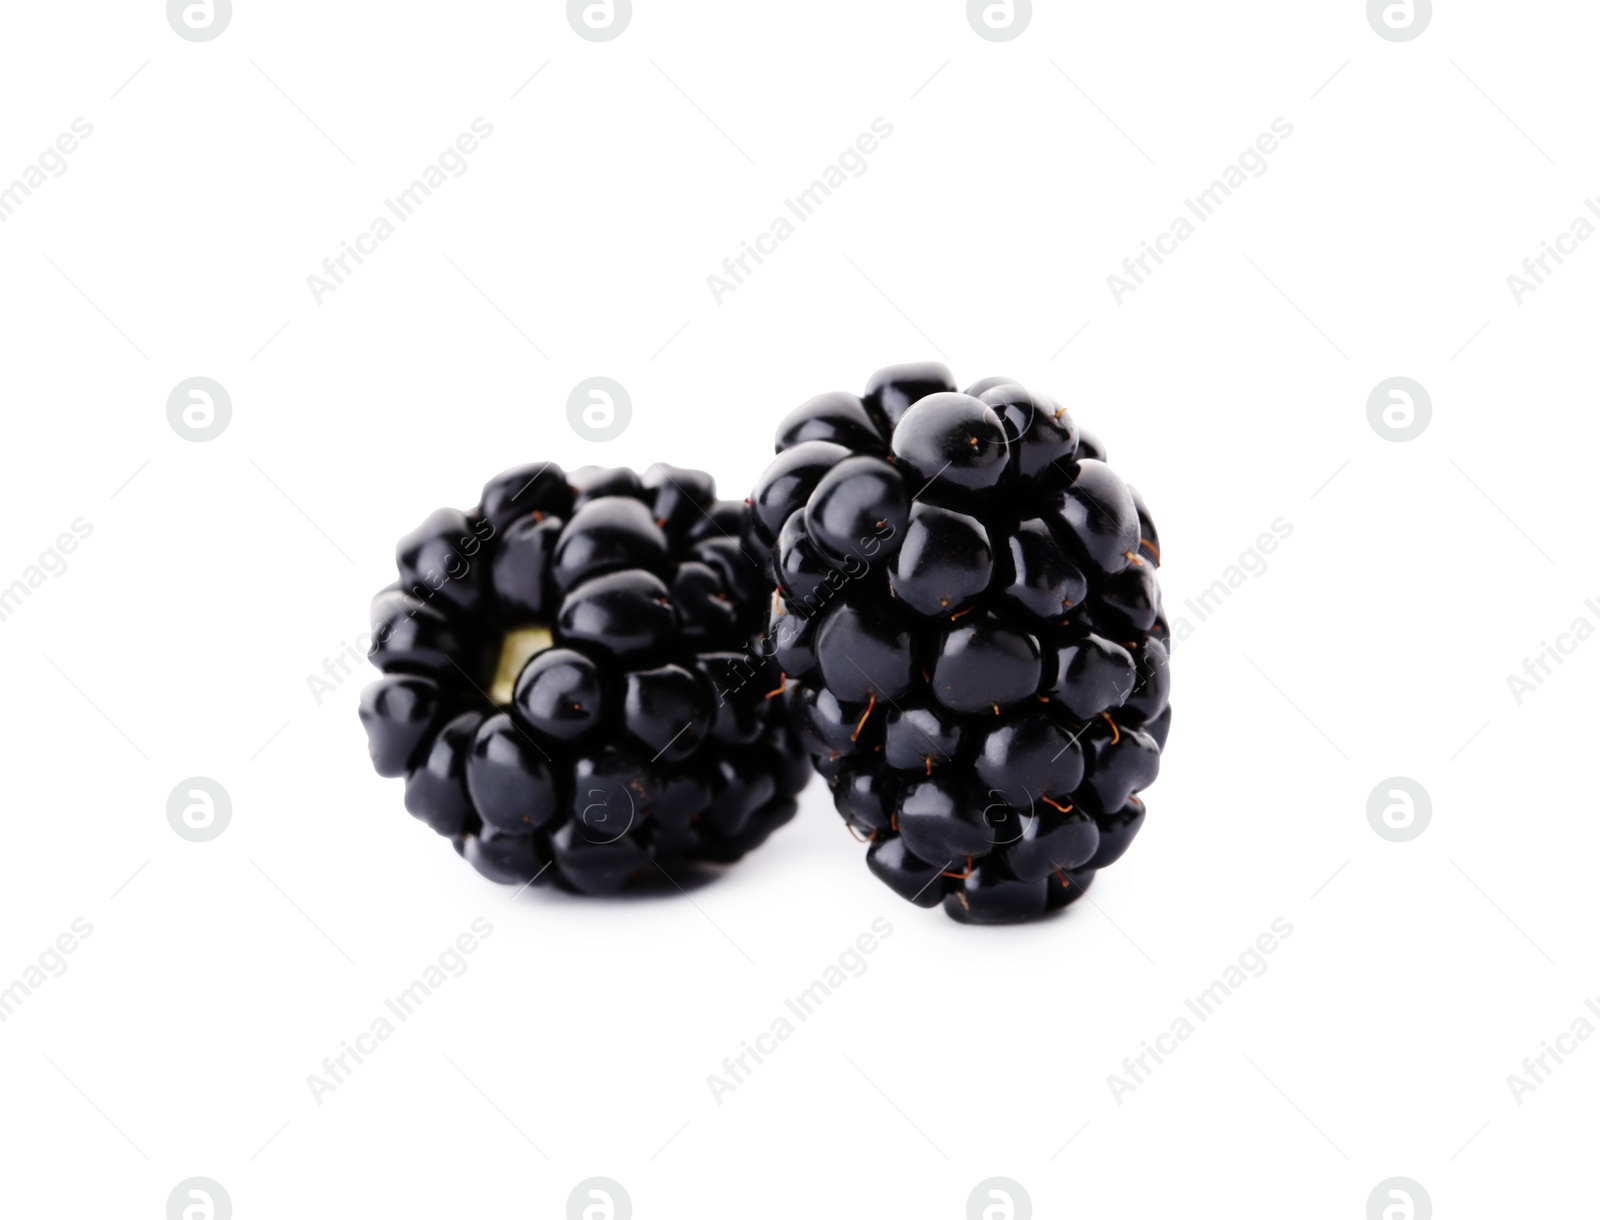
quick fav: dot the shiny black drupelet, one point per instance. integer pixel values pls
(573, 687)
(968, 623)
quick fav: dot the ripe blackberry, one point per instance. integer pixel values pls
(570, 686)
(969, 627)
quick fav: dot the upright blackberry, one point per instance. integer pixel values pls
(569, 684)
(968, 622)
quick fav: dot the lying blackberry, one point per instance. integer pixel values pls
(968, 622)
(569, 687)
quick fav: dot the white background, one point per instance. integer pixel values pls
(1230, 388)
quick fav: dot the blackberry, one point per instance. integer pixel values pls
(569, 682)
(970, 632)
